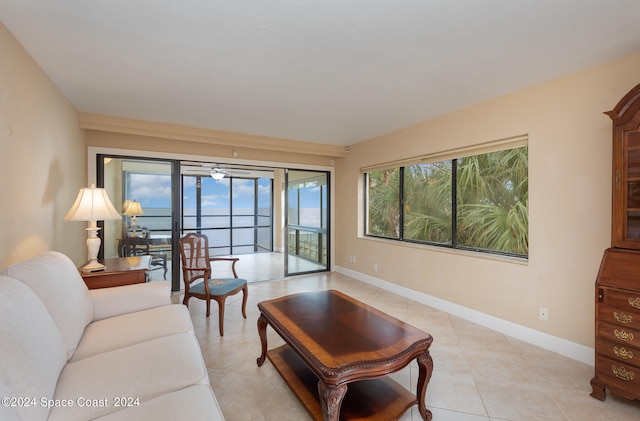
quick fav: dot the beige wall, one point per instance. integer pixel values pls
(43, 164)
(222, 153)
(569, 214)
(43, 156)
(42, 160)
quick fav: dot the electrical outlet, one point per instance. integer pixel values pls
(352, 259)
(543, 314)
(375, 267)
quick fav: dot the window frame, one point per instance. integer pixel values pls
(232, 226)
(449, 156)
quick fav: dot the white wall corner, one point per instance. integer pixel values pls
(543, 340)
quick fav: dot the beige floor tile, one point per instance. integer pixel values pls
(455, 391)
(479, 374)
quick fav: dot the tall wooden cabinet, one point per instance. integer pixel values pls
(617, 293)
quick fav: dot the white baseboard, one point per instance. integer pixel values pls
(555, 344)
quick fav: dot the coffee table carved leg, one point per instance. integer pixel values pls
(262, 331)
(425, 365)
(331, 400)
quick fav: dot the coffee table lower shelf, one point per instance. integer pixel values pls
(377, 399)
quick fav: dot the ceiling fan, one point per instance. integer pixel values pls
(218, 172)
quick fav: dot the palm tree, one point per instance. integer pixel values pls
(384, 202)
(427, 205)
(492, 202)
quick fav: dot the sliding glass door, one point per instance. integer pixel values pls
(306, 219)
(145, 192)
(242, 213)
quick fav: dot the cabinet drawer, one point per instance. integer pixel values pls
(618, 375)
(622, 353)
(616, 316)
(624, 300)
(619, 334)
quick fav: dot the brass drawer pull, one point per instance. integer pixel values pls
(623, 335)
(623, 353)
(623, 318)
(622, 373)
(634, 302)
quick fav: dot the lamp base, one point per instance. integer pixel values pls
(92, 266)
(93, 246)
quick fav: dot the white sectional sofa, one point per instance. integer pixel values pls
(69, 353)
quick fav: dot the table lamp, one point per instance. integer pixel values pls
(92, 204)
(133, 209)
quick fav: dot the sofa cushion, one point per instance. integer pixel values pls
(114, 301)
(192, 403)
(133, 328)
(144, 371)
(32, 352)
(7, 412)
(62, 291)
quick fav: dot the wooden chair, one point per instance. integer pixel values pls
(140, 245)
(196, 266)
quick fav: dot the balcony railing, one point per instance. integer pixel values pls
(308, 243)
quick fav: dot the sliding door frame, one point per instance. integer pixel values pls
(176, 189)
(325, 226)
(94, 151)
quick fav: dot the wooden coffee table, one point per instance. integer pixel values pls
(338, 353)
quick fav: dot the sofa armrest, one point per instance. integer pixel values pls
(110, 302)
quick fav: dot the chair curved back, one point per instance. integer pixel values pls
(140, 245)
(194, 252)
(137, 245)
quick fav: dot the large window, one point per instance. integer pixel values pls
(234, 212)
(476, 202)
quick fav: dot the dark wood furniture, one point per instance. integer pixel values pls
(617, 293)
(625, 227)
(618, 325)
(140, 244)
(339, 350)
(119, 271)
(198, 281)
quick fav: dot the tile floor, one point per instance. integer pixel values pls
(252, 267)
(479, 374)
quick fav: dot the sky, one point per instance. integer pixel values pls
(154, 191)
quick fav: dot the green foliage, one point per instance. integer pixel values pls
(492, 202)
(428, 207)
(384, 202)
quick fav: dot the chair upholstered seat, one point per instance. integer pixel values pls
(218, 286)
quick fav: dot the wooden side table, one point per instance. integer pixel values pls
(119, 271)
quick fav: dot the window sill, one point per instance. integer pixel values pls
(447, 250)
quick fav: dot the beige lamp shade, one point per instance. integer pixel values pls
(92, 204)
(133, 209)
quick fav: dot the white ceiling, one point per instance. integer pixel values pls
(327, 71)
